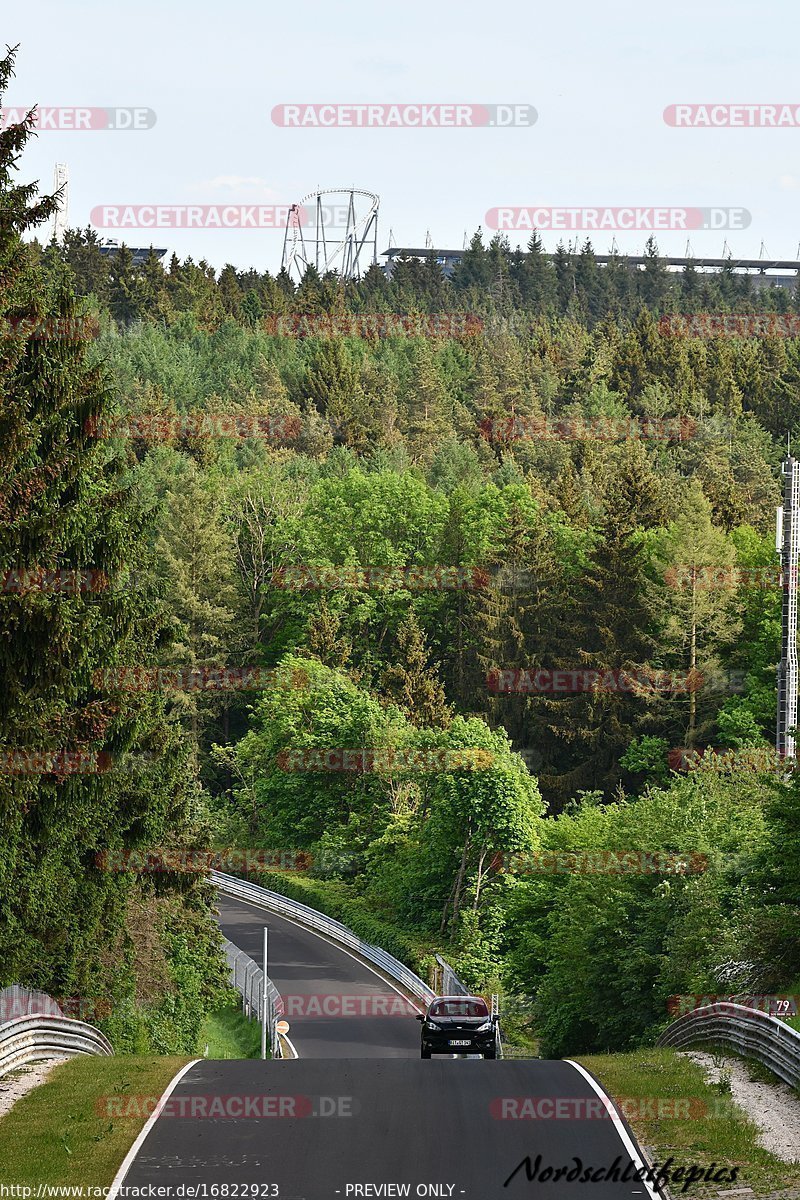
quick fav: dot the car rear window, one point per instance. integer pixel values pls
(458, 1008)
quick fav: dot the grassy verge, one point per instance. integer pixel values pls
(70, 1130)
(695, 1123)
(228, 1033)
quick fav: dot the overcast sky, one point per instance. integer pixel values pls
(598, 75)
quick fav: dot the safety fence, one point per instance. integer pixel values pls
(447, 982)
(248, 979)
(18, 1001)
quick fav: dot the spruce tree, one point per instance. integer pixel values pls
(68, 505)
(605, 624)
(412, 682)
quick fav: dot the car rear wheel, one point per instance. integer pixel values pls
(425, 1053)
(490, 1054)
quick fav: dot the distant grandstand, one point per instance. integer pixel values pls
(782, 273)
(139, 254)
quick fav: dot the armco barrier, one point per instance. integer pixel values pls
(248, 979)
(229, 885)
(747, 1031)
(26, 1039)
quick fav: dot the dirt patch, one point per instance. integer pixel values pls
(24, 1080)
(773, 1107)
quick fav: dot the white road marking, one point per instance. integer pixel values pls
(148, 1125)
(619, 1125)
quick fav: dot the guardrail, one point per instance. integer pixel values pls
(748, 1031)
(248, 979)
(26, 1039)
(229, 885)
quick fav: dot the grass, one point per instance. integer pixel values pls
(67, 1131)
(706, 1128)
(228, 1033)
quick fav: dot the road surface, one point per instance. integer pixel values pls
(368, 1018)
(359, 1114)
(319, 1127)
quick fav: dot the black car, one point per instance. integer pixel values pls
(459, 1025)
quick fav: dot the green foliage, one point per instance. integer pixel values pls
(69, 504)
(603, 950)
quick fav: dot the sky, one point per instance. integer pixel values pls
(598, 75)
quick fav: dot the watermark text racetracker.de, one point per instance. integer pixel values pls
(60, 763)
(600, 862)
(411, 578)
(640, 681)
(190, 216)
(373, 325)
(197, 423)
(729, 325)
(403, 116)
(257, 1106)
(733, 116)
(192, 861)
(596, 1108)
(652, 218)
(79, 117)
(384, 760)
(714, 1004)
(197, 678)
(577, 429)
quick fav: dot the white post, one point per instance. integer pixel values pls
(264, 1001)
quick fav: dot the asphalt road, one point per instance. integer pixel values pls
(335, 1005)
(328, 1127)
(361, 1115)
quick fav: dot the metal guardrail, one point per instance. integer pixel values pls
(748, 1031)
(334, 930)
(248, 979)
(26, 1039)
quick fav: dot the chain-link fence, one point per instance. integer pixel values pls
(17, 1001)
(248, 979)
(447, 982)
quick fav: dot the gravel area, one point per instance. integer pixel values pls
(774, 1107)
(25, 1079)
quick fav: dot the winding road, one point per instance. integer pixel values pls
(359, 1114)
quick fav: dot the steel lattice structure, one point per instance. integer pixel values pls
(789, 546)
(61, 215)
(311, 227)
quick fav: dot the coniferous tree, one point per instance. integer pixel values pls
(117, 777)
(606, 626)
(412, 682)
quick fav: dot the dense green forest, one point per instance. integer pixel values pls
(401, 513)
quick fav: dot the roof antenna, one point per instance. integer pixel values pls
(688, 252)
(763, 251)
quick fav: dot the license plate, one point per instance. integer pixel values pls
(461, 1042)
